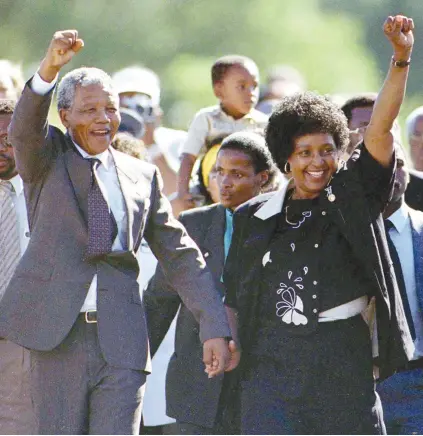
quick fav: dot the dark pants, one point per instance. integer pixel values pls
(16, 414)
(402, 399)
(76, 392)
(329, 392)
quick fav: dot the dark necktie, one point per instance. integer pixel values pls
(102, 228)
(400, 278)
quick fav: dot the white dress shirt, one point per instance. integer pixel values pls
(401, 236)
(108, 182)
(18, 199)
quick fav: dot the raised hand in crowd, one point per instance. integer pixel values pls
(63, 47)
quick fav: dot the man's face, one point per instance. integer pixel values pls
(360, 119)
(236, 178)
(93, 119)
(402, 176)
(416, 143)
(7, 157)
(238, 90)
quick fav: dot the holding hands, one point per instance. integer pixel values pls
(63, 47)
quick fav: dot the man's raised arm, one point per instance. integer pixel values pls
(28, 131)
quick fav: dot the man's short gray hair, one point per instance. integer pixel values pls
(80, 77)
(411, 120)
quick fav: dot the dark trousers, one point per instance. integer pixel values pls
(75, 391)
(16, 414)
(402, 399)
(329, 392)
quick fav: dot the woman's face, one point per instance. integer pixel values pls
(313, 162)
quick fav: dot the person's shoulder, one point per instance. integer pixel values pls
(251, 206)
(209, 111)
(200, 213)
(258, 117)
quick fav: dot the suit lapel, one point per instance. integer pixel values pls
(136, 205)
(417, 236)
(79, 171)
(213, 240)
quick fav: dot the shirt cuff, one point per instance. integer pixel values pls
(40, 86)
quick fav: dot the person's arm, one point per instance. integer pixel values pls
(194, 142)
(378, 137)
(28, 131)
(185, 268)
(184, 200)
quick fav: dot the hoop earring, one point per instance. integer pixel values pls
(287, 168)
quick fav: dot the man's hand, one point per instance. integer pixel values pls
(216, 356)
(235, 356)
(399, 31)
(63, 47)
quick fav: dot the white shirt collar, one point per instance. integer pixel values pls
(400, 218)
(104, 157)
(17, 184)
(274, 204)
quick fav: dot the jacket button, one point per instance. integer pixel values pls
(315, 283)
(27, 234)
(323, 212)
(314, 310)
(314, 296)
(87, 285)
(316, 245)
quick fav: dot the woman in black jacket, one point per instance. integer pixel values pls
(305, 262)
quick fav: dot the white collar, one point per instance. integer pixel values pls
(104, 157)
(17, 184)
(274, 204)
(400, 218)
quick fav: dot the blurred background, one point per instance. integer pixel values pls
(337, 45)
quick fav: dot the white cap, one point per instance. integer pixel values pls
(138, 79)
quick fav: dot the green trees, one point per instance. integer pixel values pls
(179, 39)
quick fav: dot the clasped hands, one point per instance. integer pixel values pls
(220, 356)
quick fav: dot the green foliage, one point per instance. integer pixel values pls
(179, 39)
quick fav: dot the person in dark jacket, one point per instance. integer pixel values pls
(304, 263)
(244, 167)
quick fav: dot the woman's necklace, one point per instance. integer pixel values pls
(306, 214)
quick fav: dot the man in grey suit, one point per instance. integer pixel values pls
(74, 300)
(401, 394)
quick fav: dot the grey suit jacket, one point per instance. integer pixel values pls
(50, 284)
(190, 395)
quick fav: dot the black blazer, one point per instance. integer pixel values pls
(190, 395)
(359, 219)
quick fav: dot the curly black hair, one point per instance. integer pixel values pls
(303, 114)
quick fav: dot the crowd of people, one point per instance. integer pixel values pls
(261, 273)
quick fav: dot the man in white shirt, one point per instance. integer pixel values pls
(16, 415)
(74, 300)
(402, 393)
